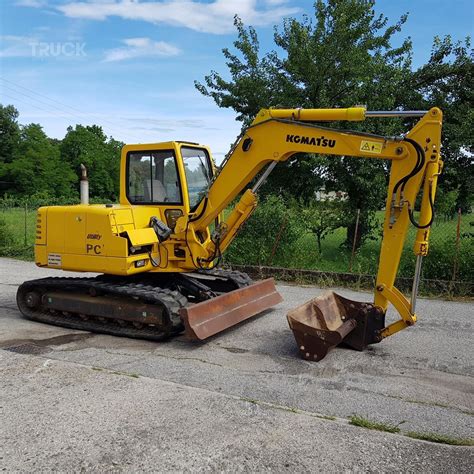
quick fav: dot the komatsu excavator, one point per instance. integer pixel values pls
(157, 251)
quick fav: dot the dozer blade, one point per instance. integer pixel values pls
(210, 317)
(329, 320)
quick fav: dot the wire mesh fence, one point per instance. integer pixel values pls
(450, 258)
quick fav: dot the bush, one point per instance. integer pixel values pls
(439, 263)
(272, 218)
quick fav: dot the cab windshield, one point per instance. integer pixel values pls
(198, 173)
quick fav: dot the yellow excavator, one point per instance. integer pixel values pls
(157, 252)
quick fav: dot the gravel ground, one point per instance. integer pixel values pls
(242, 401)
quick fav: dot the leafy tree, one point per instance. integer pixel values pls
(323, 217)
(90, 146)
(34, 165)
(38, 166)
(447, 80)
(446, 203)
(9, 133)
(9, 139)
(340, 58)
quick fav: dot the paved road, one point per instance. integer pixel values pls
(242, 401)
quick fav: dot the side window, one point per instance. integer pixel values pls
(170, 180)
(139, 166)
(153, 178)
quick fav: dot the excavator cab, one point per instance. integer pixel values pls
(171, 176)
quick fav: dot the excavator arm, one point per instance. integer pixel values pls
(276, 135)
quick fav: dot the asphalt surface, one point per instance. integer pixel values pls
(243, 401)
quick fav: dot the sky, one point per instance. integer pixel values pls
(130, 65)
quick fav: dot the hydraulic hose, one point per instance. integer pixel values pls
(412, 218)
(420, 162)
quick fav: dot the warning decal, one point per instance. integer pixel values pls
(54, 260)
(371, 147)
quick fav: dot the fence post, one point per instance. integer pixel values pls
(458, 240)
(354, 241)
(277, 240)
(26, 220)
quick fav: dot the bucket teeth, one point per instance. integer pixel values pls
(203, 320)
(329, 320)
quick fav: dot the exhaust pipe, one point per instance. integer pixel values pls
(84, 186)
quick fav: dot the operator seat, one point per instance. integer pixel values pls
(159, 191)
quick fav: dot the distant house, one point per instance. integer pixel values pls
(323, 195)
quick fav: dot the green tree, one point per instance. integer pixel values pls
(9, 133)
(323, 217)
(446, 203)
(90, 146)
(9, 139)
(34, 166)
(341, 57)
(38, 166)
(447, 81)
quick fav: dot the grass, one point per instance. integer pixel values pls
(439, 438)
(357, 420)
(362, 422)
(17, 233)
(249, 400)
(326, 417)
(126, 374)
(115, 372)
(431, 404)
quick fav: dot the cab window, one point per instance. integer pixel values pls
(153, 178)
(198, 171)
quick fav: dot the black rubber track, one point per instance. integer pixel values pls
(171, 301)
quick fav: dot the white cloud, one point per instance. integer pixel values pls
(17, 46)
(214, 17)
(171, 124)
(276, 2)
(141, 47)
(31, 3)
